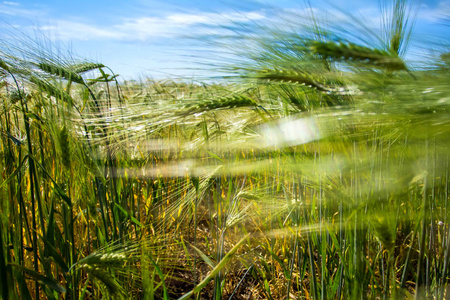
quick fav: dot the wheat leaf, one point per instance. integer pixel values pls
(216, 269)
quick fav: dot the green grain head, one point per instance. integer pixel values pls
(354, 52)
(61, 72)
(64, 144)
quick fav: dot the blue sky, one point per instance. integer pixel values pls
(144, 38)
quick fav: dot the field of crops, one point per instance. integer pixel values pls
(319, 169)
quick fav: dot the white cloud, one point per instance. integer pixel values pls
(14, 9)
(212, 18)
(146, 27)
(434, 14)
(69, 30)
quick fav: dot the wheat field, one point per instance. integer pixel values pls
(317, 169)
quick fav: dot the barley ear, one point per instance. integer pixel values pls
(86, 67)
(294, 76)
(52, 89)
(108, 280)
(3, 65)
(61, 71)
(354, 52)
(234, 101)
(384, 230)
(96, 265)
(64, 145)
